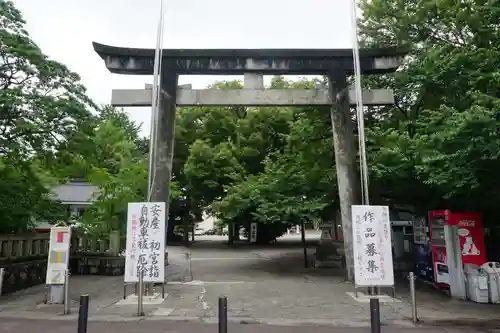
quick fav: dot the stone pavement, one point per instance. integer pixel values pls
(264, 285)
(43, 326)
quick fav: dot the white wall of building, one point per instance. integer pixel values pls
(208, 223)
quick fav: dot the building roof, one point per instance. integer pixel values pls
(76, 193)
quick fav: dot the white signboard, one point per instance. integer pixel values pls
(253, 232)
(57, 263)
(372, 246)
(145, 253)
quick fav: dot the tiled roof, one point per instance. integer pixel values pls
(75, 192)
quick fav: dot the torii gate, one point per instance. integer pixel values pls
(337, 64)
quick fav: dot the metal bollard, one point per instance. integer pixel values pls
(66, 293)
(140, 295)
(1, 279)
(413, 296)
(46, 294)
(375, 314)
(83, 314)
(222, 314)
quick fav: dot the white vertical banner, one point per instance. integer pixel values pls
(253, 232)
(145, 252)
(58, 260)
(372, 246)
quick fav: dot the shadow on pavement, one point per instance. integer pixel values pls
(471, 323)
(292, 264)
(244, 245)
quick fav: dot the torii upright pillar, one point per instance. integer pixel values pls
(345, 161)
(160, 190)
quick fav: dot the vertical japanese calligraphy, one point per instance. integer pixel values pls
(253, 232)
(372, 246)
(145, 254)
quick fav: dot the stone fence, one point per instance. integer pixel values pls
(20, 246)
(23, 259)
(36, 244)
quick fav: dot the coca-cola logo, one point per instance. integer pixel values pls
(466, 223)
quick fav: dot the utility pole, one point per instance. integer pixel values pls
(153, 138)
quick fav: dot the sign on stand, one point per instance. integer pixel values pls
(57, 263)
(373, 266)
(253, 232)
(145, 252)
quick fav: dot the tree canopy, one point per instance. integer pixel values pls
(42, 103)
(437, 147)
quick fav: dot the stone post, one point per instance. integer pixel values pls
(345, 161)
(327, 254)
(114, 242)
(253, 81)
(8, 249)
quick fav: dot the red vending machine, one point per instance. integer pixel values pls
(471, 239)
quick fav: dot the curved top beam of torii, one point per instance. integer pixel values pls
(136, 61)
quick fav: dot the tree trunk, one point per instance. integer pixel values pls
(304, 244)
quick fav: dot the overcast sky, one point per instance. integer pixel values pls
(65, 29)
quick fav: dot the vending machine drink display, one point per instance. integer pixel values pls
(437, 221)
(433, 243)
(423, 252)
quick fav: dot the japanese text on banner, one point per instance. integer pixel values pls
(145, 242)
(372, 246)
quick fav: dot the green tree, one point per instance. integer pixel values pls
(439, 143)
(109, 157)
(288, 161)
(24, 197)
(42, 104)
(41, 101)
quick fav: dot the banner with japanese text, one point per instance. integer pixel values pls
(145, 252)
(253, 232)
(58, 259)
(372, 246)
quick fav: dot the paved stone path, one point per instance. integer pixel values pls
(265, 285)
(43, 326)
